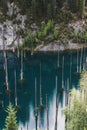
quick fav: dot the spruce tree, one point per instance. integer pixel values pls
(82, 8)
(34, 7)
(4, 6)
(49, 11)
(11, 120)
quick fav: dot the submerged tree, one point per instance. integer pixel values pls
(11, 120)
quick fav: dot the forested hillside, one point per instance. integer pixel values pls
(48, 8)
(46, 20)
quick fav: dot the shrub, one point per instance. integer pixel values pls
(85, 37)
(28, 40)
(55, 34)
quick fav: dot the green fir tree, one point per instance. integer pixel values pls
(11, 120)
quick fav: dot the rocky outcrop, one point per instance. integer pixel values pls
(58, 47)
(8, 29)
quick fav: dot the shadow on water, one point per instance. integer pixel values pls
(43, 67)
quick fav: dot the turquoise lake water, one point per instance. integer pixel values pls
(43, 67)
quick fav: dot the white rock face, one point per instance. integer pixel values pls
(50, 47)
(72, 45)
(8, 33)
(58, 47)
(78, 25)
(10, 29)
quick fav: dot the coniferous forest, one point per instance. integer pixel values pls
(46, 21)
(48, 9)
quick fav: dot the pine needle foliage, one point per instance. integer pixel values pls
(11, 120)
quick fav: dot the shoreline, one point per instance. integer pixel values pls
(64, 48)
